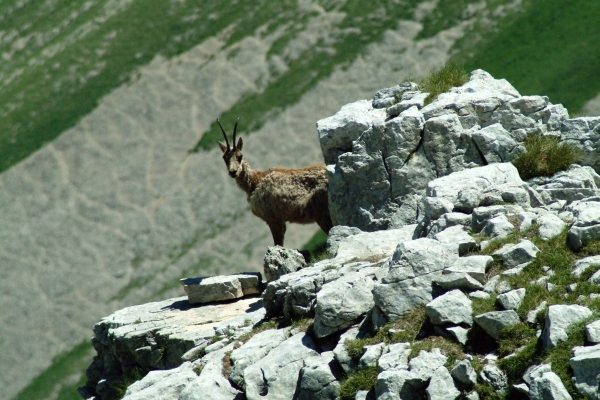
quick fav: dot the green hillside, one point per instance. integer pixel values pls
(60, 58)
(550, 49)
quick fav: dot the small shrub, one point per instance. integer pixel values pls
(362, 379)
(545, 156)
(442, 80)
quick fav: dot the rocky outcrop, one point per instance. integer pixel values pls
(379, 168)
(394, 304)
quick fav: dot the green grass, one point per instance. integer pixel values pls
(56, 377)
(546, 49)
(368, 22)
(520, 341)
(545, 157)
(408, 328)
(362, 379)
(442, 80)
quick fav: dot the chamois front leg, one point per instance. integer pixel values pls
(277, 231)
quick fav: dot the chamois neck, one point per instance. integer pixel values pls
(247, 179)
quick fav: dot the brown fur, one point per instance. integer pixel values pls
(281, 195)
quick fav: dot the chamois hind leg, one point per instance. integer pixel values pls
(277, 231)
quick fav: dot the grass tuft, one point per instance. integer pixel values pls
(442, 80)
(362, 379)
(545, 156)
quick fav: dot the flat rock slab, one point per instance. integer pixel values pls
(494, 321)
(366, 245)
(156, 335)
(221, 288)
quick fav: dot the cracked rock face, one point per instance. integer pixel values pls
(275, 376)
(379, 168)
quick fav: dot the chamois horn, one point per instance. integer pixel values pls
(234, 130)
(225, 135)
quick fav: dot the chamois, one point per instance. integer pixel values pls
(279, 195)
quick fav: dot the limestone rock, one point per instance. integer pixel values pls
(498, 227)
(558, 320)
(369, 245)
(550, 226)
(496, 144)
(341, 354)
(511, 300)
(162, 384)
(532, 315)
(574, 184)
(548, 387)
(341, 302)
(371, 355)
(220, 288)
(475, 266)
(412, 269)
(586, 226)
(337, 234)
(441, 386)
(592, 332)
(394, 358)
(494, 321)
(586, 368)
(157, 335)
(464, 373)
(494, 377)
(211, 380)
(584, 263)
(475, 179)
(458, 235)
(458, 280)
(583, 133)
(275, 376)
(426, 363)
(337, 132)
(459, 334)
(517, 254)
(280, 261)
(253, 350)
(319, 378)
(450, 308)
(387, 97)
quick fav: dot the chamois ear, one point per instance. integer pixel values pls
(239, 145)
(223, 147)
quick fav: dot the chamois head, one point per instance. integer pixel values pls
(232, 155)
